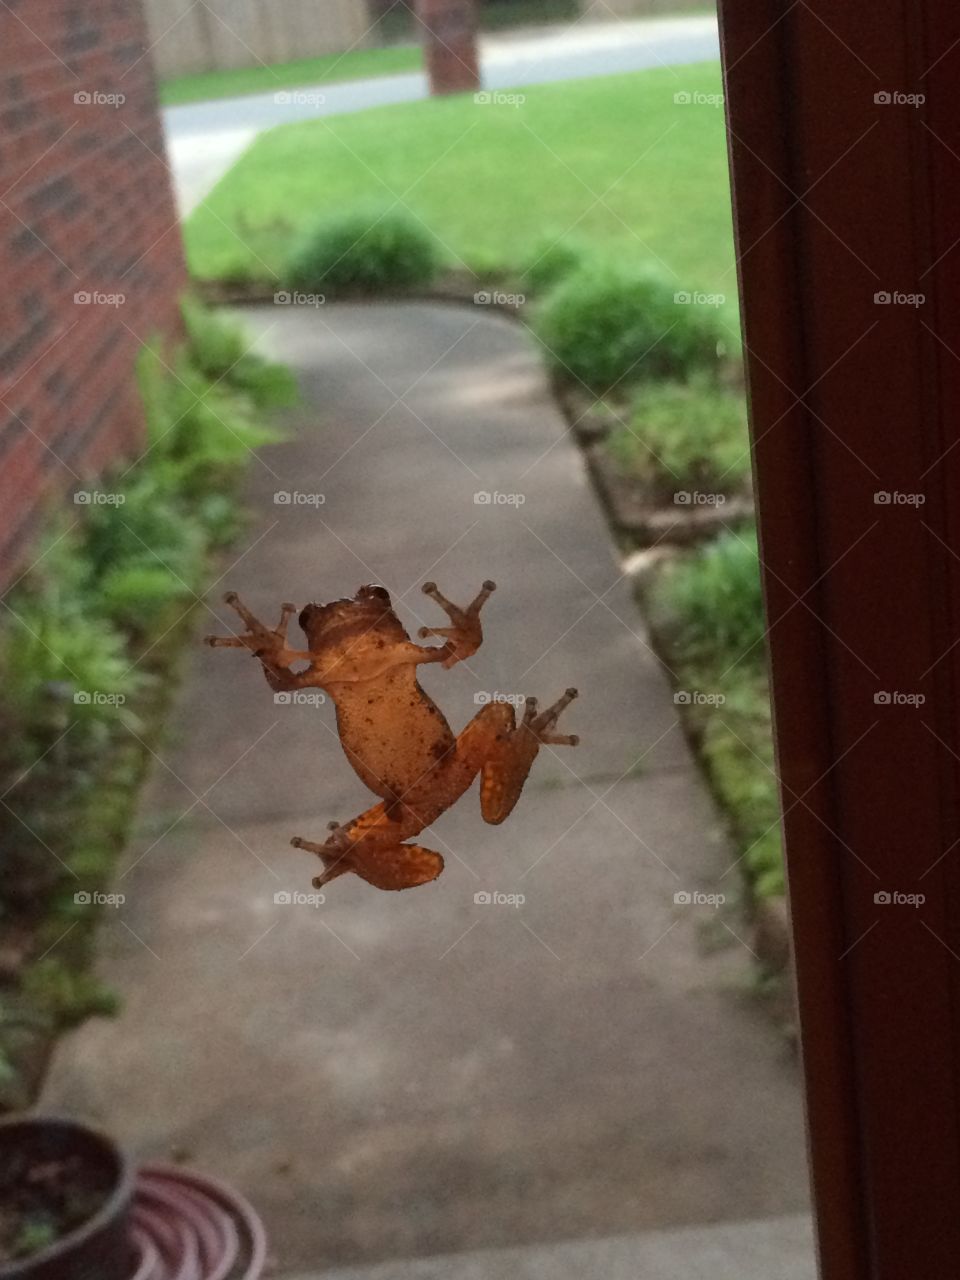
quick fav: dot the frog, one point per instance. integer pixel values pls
(394, 735)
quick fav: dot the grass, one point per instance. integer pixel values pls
(355, 64)
(684, 435)
(612, 162)
(706, 608)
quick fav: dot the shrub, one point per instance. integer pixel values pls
(687, 435)
(202, 430)
(610, 326)
(713, 600)
(365, 252)
(219, 349)
(550, 260)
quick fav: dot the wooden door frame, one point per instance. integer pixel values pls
(840, 195)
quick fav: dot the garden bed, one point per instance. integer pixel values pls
(93, 634)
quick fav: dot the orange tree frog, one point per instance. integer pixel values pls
(393, 733)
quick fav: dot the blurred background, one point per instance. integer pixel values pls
(307, 296)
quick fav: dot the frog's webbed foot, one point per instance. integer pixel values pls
(541, 723)
(465, 635)
(268, 644)
(380, 863)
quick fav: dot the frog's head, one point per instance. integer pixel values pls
(354, 639)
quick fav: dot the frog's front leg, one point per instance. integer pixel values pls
(267, 644)
(465, 636)
(504, 751)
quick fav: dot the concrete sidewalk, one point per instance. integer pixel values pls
(205, 138)
(396, 1076)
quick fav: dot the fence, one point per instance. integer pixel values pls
(188, 35)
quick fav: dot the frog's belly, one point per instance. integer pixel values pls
(394, 758)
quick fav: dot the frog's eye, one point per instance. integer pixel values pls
(381, 593)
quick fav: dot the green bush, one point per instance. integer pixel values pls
(610, 326)
(550, 260)
(203, 431)
(685, 435)
(367, 251)
(713, 600)
(219, 349)
(75, 699)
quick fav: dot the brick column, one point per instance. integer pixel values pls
(449, 33)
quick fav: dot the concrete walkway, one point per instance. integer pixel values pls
(402, 1076)
(205, 138)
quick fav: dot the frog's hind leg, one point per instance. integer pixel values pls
(507, 750)
(384, 863)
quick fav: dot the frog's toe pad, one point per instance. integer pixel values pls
(403, 866)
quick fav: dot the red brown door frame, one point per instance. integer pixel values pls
(841, 195)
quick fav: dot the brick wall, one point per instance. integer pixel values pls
(86, 211)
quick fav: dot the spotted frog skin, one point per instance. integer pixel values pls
(393, 733)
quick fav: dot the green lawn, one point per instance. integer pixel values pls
(355, 64)
(613, 162)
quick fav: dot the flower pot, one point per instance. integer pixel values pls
(73, 1184)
